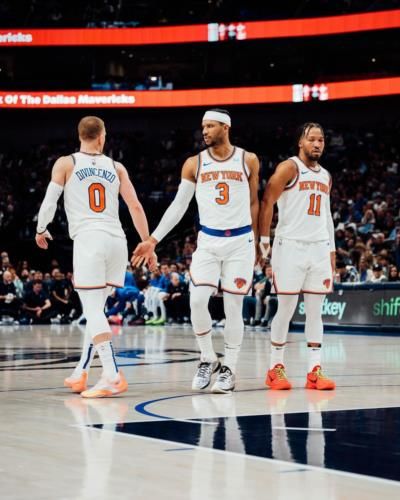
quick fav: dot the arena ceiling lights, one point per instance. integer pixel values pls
(213, 32)
(201, 97)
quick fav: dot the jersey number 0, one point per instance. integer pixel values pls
(97, 197)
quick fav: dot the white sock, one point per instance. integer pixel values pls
(277, 352)
(107, 358)
(87, 355)
(231, 356)
(314, 357)
(206, 348)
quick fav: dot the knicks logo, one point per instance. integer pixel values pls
(239, 282)
(327, 283)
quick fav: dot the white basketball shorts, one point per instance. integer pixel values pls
(99, 260)
(229, 259)
(300, 266)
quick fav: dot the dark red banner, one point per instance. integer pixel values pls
(213, 32)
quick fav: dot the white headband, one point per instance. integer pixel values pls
(218, 117)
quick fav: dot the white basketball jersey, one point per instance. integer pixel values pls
(91, 195)
(303, 205)
(222, 191)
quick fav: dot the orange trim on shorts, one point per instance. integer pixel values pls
(282, 293)
(234, 292)
(202, 283)
(89, 287)
(114, 284)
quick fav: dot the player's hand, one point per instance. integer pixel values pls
(41, 240)
(153, 262)
(143, 253)
(265, 250)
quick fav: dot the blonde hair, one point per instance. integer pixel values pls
(90, 128)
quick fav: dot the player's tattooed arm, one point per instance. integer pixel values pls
(285, 172)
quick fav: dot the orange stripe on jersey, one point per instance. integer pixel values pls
(296, 179)
(221, 161)
(244, 164)
(198, 166)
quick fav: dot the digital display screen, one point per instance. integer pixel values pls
(213, 32)
(201, 97)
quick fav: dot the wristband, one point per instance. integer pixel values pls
(265, 240)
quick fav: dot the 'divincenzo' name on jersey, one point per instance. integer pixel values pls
(91, 195)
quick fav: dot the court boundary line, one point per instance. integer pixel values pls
(255, 457)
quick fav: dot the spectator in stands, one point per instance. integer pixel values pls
(5, 262)
(19, 286)
(268, 298)
(161, 285)
(60, 295)
(345, 274)
(37, 305)
(396, 251)
(9, 302)
(177, 300)
(378, 276)
(365, 271)
(152, 300)
(393, 274)
(121, 303)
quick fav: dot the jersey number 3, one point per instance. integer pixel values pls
(223, 197)
(97, 197)
(315, 205)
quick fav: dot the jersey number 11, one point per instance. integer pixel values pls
(315, 205)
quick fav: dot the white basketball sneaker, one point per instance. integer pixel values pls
(202, 378)
(225, 382)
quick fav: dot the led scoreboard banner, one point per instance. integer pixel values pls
(201, 97)
(213, 32)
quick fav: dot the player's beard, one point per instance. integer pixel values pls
(217, 141)
(313, 156)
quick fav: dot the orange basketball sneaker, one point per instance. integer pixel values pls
(277, 379)
(106, 389)
(77, 384)
(317, 380)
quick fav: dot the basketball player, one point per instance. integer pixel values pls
(224, 179)
(303, 253)
(91, 183)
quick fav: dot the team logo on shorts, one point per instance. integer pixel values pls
(327, 283)
(240, 282)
